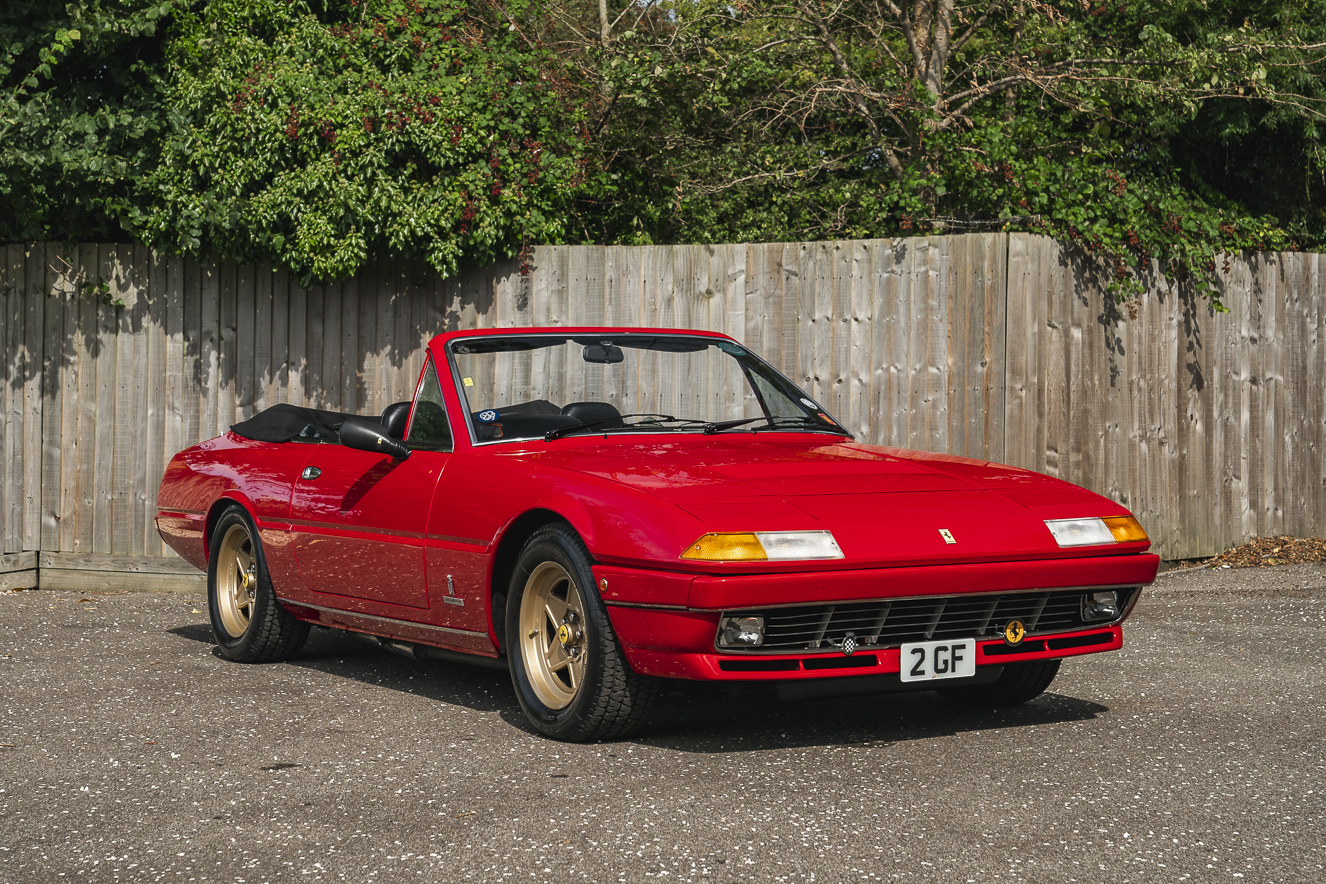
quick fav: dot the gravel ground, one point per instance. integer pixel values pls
(129, 751)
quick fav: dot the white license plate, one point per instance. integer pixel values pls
(931, 661)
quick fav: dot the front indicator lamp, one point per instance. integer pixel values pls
(1100, 606)
(741, 632)
(764, 546)
(1126, 529)
(1090, 532)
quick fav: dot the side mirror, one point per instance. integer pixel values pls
(366, 435)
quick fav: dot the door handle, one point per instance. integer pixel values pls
(311, 473)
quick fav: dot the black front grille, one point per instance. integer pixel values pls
(892, 622)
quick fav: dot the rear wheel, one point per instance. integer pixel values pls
(249, 624)
(570, 675)
(1018, 683)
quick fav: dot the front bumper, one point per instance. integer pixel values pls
(634, 624)
(669, 629)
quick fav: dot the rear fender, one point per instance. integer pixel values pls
(230, 497)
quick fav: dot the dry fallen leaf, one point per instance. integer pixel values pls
(1281, 550)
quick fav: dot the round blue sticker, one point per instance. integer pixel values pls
(487, 416)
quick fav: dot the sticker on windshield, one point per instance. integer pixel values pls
(808, 403)
(469, 382)
(487, 416)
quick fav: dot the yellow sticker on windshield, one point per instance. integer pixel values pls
(469, 382)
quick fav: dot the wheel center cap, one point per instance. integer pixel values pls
(564, 634)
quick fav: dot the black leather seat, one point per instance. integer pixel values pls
(395, 418)
(602, 414)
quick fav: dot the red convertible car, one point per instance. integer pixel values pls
(595, 509)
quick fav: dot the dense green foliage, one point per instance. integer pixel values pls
(411, 129)
(80, 115)
(315, 134)
(1101, 123)
(309, 137)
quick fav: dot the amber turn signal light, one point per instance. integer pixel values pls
(1126, 529)
(727, 548)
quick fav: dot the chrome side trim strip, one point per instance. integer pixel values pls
(411, 623)
(644, 605)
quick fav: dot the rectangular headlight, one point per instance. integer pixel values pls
(783, 545)
(1080, 532)
(764, 546)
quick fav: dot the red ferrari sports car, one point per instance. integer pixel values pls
(594, 509)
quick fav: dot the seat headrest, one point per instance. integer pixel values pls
(603, 414)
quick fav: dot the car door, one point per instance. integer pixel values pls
(357, 524)
(358, 518)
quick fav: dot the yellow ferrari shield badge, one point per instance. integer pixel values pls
(1014, 632)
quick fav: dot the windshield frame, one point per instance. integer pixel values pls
(555, 337)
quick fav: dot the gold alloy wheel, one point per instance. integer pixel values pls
(236, 580)
(552, 635)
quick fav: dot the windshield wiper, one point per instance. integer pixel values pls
(559, 432)
(810, 423)
(718, 427)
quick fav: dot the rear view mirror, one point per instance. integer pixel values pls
(366, 435)
(603, 354)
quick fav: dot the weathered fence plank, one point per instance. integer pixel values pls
(1212, 427)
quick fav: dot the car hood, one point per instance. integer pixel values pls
(884, 506)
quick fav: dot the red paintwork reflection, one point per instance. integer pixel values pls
(358, 528)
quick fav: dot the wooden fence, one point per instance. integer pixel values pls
(1000, 346)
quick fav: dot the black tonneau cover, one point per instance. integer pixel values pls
(281, 423)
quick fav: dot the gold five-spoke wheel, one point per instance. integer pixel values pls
(552, 635)
(237, 579)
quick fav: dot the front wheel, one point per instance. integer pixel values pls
(570, 675)
(249, 624)
(1018, 683)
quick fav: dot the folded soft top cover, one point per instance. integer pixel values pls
(281, 423)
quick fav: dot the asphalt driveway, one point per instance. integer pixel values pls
(129, 751)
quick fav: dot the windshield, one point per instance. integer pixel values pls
(532, 386)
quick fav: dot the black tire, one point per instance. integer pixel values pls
(594, 695)
(249, 624)
(1018, 683)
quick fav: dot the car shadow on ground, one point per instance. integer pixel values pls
(709, 719)
(690, 716)
(346, 655)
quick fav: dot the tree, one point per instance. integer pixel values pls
(806, 120)
(80, 115)
(430, 128)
